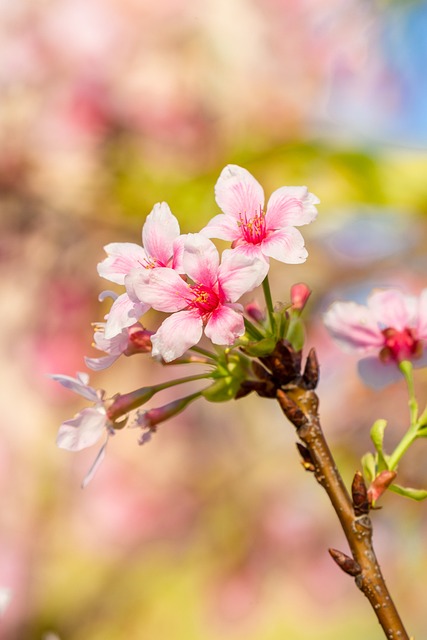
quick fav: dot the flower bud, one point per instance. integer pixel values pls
(347, 564)
(300, 293)
(255, 312)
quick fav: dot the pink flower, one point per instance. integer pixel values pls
(207, 303)
(126, 260)
(130, 340)
(256, 232)
(392, 326)
(88, 425)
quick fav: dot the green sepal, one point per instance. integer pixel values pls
(377, 437)
(409, 492)
(295, 333)
(260, 348)
(222, 389)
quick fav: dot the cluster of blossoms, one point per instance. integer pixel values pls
(184, 276)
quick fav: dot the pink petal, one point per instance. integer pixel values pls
(391, 308)
(353, 327)
(97, 364)
(291, 207)
(238, 193)
(166, 290)
(201, 259)
(286, 245)
(222, 227)
(177, 333)
(239, 274)
(225, 325)
(422, 316)
(123, 313)
(177, 254)
(122, 257)
(77, 385)
(378, 374)
(159, 232)
(83, 430)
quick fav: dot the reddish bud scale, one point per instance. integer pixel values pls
(347, 564)
(311, 371)
(291, 410)
(359, 495)
(307, 460)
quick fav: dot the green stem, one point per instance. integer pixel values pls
(252, 330)
(407, 370)
(204, 352)
(402, 447)
(269, 303)
(126, 402)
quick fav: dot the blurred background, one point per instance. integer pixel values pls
(212, 531)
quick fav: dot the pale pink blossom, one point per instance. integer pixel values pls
(126, 261)
(254, 230)
(392, 326)
(87, 426)
(207, 302)
(130, 340)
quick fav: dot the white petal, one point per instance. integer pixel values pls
(240, 273)
(165, 290)
(95, 465)
(77, 385)
(122, 257)
(286, 245)
(123, 313)
(225, 326)
(201, 259)
(97, 364)
(178, 333)
(238, 193)
(83, 430)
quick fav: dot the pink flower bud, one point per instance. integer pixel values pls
(300, 293)
(255, 312)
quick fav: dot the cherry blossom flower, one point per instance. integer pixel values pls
(162, 248)
(130, 340)
(255, 231)
(207, 303)
(393, 326)
(87, 426)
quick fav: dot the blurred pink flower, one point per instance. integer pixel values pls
(256, 232)
(209, 303)
(127, 262)
(88, 425)
(391, 325)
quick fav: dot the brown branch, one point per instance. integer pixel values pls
(300, 406)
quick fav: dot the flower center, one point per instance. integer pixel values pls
(400, 345)
(253, 229)
(205, 299)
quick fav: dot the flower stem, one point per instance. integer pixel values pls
(252, 330)
(269, 303)
(203, 352)
(406, 368)
(126, 402)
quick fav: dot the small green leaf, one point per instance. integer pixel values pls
(409, 492)
(222, 389)
(377, 437)
(369, 466)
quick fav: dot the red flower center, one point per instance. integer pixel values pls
(253, 229)
(400, 345)
(205, 299)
